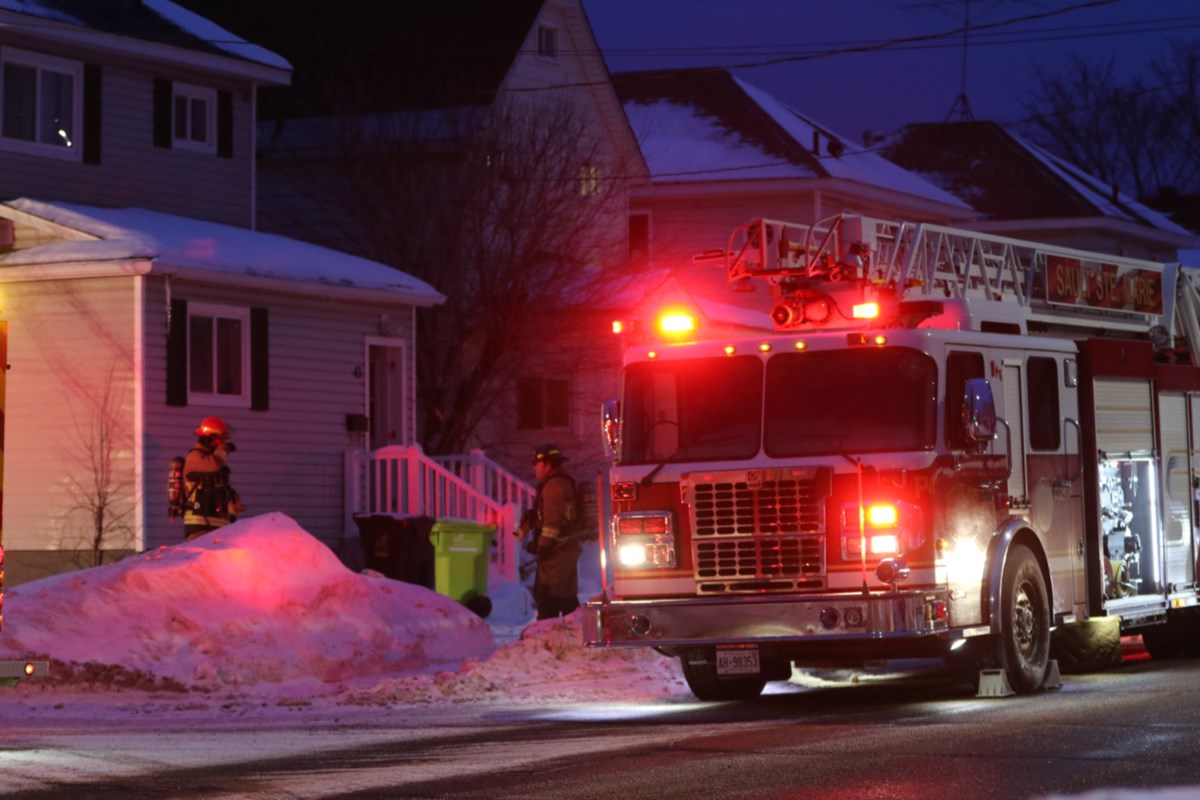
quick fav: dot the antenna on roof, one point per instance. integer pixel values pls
(962, 106)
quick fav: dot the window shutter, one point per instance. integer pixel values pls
(163, 98)
(177, 353)
(260, 373)
(91, 114)
(225, 124)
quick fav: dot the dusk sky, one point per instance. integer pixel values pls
(915, 82)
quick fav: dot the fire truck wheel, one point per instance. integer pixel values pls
(1176, 639)
(702, 679)
(1024, 644)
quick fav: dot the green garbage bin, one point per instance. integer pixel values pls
(460, 562)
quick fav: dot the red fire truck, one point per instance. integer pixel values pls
(951, 444)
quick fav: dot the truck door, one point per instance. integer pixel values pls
(1177, 445)
(1014, 414)
(1052, 474)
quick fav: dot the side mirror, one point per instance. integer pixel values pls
(979, 412)
(610, 428)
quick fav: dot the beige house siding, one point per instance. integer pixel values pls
(69, 342)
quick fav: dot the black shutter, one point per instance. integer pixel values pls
(164, 97)
(91, 114)
(177, 355)
(260, 373)
(225, 124)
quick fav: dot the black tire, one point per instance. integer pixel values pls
(701, 676)
(1023, 648)
(1179, 637)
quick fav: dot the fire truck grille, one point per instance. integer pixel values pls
(763, 538)
(760, 563)
(736, 509)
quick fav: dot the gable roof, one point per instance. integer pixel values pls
(394, 56)
(160, 22)
(1007, 178)
(707, 124)
(101, 241)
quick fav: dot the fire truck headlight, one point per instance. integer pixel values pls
(644, 540)
(964, 560)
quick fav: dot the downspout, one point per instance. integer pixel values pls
(139, 412)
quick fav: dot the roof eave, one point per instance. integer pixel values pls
(660, 191)
(131, 267)
(1117, 226)
(230, 66)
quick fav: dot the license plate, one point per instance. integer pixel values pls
(738, 662)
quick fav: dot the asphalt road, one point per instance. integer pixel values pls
(911, 735)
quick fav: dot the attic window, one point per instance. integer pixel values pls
(40, 104)
(193, 118)
(547, 42)
(589, 180)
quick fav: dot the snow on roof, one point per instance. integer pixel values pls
(223, 252)
(704, 125)
(214, 34)
(1124, 207)
(184, 28)
(680, 143)
(263, 609)
(854, 163)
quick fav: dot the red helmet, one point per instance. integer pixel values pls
(214, 426)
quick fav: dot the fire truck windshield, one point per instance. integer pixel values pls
(817, 403)
(850, 401)
(692, 410)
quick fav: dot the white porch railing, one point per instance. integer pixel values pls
(402, 481)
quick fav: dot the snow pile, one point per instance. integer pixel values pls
(548, 664)
(262, 602)
(263, 610)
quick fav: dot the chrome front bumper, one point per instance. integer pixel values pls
(696, 621)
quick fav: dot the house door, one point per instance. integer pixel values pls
(387, 392)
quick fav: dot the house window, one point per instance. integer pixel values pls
(40, 98)
(542, 403)
(639, 239)
(193, 118)
(589, 180)
(218, 349)
(547, 42)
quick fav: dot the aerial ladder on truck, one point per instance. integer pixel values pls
(952, 444)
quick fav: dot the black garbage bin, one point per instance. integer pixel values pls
(398, 547)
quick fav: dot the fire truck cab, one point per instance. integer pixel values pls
(950, 444)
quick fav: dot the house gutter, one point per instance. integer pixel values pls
(125, 268)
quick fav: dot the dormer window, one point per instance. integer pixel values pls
(547, 42)
(193, 118)
(40, 104)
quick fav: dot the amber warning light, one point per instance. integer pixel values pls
(676, 323)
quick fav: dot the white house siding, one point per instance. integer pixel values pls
(133, 172)
(65, 339)
(289, 457)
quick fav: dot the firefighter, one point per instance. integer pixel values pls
(210, 502)
(555, 513)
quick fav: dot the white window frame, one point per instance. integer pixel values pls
(190, 93)
(44, 63)
(547, 34)
(216, 312)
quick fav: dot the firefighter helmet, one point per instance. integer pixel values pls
(550, 453)
(214, 426)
